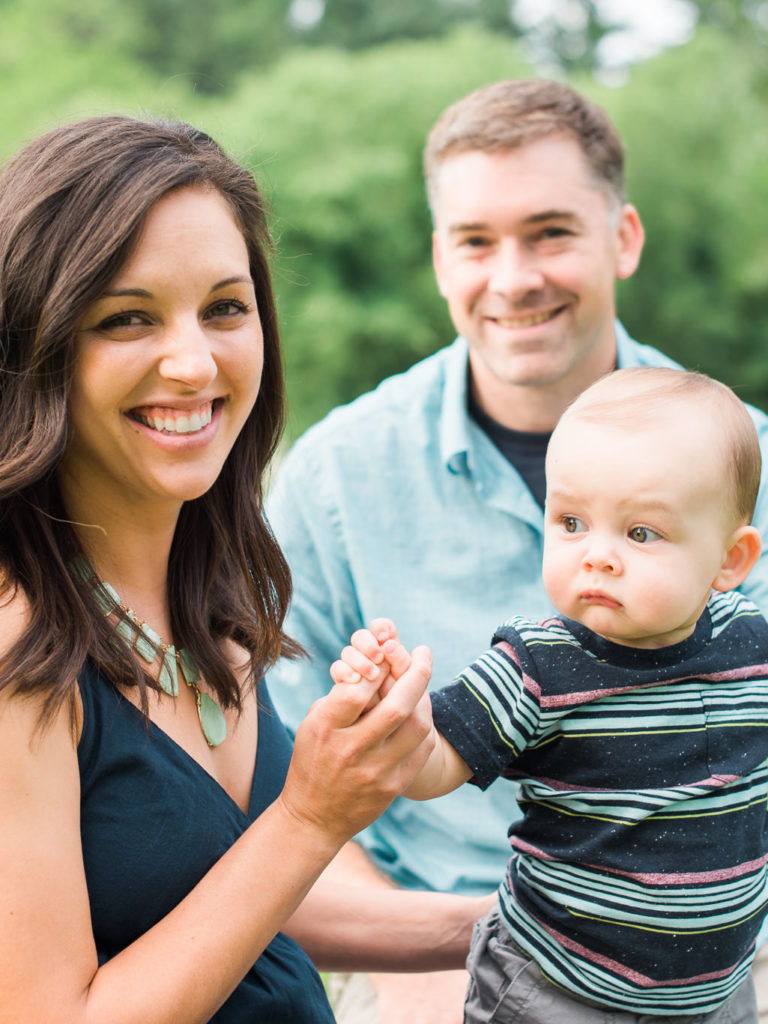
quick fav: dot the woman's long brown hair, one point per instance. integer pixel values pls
(72, 204)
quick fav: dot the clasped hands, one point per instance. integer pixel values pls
(375, 655)
(362, 745)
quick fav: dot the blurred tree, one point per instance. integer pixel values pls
(353, 24)
(211, 45)
(696, 168)
(567, 39)
(54, 69)
(746, 17)
(208, 45)
(745, 21)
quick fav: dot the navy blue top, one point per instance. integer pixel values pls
(153, 821)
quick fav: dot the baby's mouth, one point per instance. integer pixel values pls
(174, 421)
(600, 597)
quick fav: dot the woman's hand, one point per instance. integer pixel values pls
(351, 760)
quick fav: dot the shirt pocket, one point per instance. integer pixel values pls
(736, 714)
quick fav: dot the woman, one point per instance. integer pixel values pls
(155, 838)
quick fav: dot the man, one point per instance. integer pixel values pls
(531, 231)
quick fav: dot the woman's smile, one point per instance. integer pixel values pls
(173, 421)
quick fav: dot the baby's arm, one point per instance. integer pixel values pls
(378, 656)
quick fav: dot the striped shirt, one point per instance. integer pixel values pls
(638, 874)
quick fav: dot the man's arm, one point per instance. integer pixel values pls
(354, 919)
(432, 997)
(324, 608)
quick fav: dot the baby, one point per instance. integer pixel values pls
(634, 721)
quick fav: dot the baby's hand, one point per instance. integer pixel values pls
(373, 654)
(361, 659)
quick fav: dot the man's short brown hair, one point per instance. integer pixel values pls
(514, 112)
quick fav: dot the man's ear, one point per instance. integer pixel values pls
(631, 236)
(743, 552)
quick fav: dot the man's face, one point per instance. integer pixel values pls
(527, 249)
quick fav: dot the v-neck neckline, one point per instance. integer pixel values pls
(188, 758)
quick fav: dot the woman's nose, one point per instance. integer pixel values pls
(187, 356)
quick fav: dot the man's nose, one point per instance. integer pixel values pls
(514, 269)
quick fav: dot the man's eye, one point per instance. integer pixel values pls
(572, 524)
(643, 534)
(555, 233)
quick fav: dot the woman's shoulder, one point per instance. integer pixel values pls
(28, 710)
(42, 889)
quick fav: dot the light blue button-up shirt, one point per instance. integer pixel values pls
(399, 505)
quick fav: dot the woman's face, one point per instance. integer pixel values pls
(168, 363)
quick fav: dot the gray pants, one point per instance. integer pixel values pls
(508, 988)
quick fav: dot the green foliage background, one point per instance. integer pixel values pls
(335, 136)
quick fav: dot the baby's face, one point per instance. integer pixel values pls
(637, 526)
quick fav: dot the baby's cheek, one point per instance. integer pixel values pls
(556, 575)
(658, 593)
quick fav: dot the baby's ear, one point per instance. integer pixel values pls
(743, 552)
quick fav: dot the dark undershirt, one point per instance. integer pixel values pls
(525, 450)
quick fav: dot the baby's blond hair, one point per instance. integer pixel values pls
(625, 397)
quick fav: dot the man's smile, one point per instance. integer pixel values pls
(527, 320)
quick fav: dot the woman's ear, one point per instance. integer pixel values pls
(743, 552)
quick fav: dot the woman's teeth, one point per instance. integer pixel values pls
(171, 422)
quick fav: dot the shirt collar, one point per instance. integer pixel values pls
(624, 354)
(455, 439)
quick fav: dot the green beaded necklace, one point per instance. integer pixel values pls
(147, 643)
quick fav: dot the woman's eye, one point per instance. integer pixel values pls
(643, 534)
(125, 318)
(227, 307)
(572, 524)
